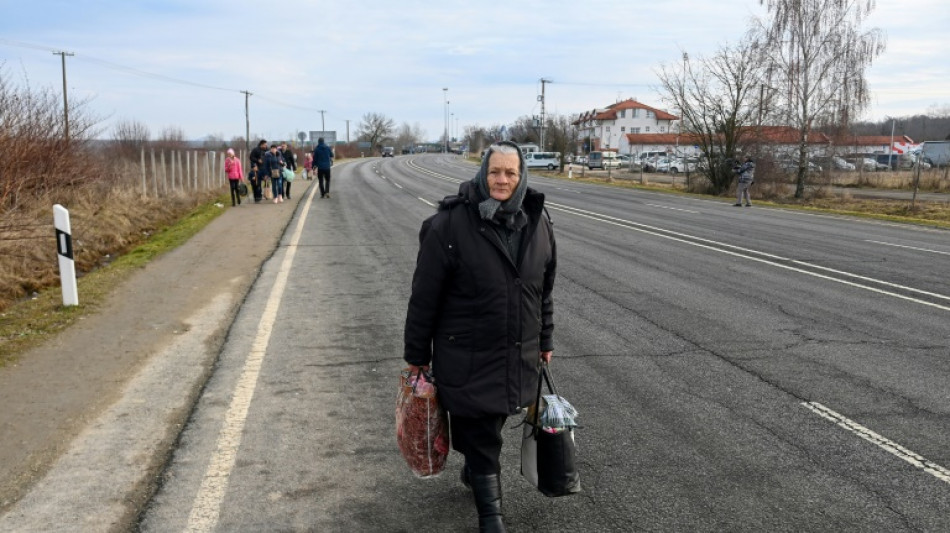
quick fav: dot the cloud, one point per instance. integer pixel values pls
(352, 58)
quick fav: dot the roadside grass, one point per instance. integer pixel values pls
(29, 322)
(935, 214)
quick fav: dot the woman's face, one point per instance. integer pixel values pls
(504, 173)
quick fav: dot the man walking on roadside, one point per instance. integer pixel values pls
(323, 160)
(746, 172)
(257, 168)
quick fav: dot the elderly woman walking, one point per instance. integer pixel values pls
(481, 312)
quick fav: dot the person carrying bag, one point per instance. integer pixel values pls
(547, 448)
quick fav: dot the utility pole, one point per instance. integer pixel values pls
(543, 81)
(62, 56)
(247, 123)
(323, 125)
(347, 131)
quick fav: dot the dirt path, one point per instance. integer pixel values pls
(58, 389)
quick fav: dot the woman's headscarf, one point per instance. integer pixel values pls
(509, 212)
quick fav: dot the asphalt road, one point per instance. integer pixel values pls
(735, 369)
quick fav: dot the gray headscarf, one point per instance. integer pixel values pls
(509, 212)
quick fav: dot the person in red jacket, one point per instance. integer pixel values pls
(235, 175)
(481, 312)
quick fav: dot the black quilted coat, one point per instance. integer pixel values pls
(480, 318)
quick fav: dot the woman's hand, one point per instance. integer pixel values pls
(413, 369)
(546, 356)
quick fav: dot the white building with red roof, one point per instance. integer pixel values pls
(608, 127)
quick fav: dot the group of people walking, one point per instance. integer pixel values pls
(277, 164)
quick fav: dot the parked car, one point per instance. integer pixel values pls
(603, 160)
(389, 151)
(867, 164)
(791, 166)
(839, 163)
(580, 160)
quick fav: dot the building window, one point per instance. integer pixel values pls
(650, 114)
(623, 113)
(662, 129)
(634, 130)
(648, 129)
(623, 129)
(608, 129)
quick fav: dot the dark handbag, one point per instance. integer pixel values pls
(548, 458)
(242, 189)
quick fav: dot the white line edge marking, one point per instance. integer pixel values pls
(653, 230)
(207, 506)
(908, 247)
(672, 208)
(882, 442)
(659, 232)
(656, 232)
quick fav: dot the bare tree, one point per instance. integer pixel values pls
(561, 135)
(130, 137)
(374, 128)
(718, 102)
(409, 136)
(816, 55)
(171, 138)
(524, 130)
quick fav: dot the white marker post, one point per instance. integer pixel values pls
(64, 248)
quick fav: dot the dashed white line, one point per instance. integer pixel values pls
(882, 442)
(207, 506)
(908, 247)
(672, 208)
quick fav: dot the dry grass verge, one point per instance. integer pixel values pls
(115, 233)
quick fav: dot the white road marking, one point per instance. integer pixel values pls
(423, 200)
(673, 208)
(207, 506)
(884, 443)
(908, 247)
(767, 258)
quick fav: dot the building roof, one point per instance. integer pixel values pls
(768, 134)
(610, 112)
(669, 139)
(873, 140)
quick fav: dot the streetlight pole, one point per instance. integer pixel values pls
(445, 119)
(62, 56)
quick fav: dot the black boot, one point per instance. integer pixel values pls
(487, 490)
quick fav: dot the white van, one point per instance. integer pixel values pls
(548, 160)
(604, 160)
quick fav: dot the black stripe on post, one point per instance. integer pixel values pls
(64, 244)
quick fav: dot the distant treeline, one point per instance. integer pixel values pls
(918, 127)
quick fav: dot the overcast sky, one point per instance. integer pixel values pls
(391, 57)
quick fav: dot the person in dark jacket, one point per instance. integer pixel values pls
(481, 312)
(290, 161)
(273, 164)
(256, 173)
(323, 160)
